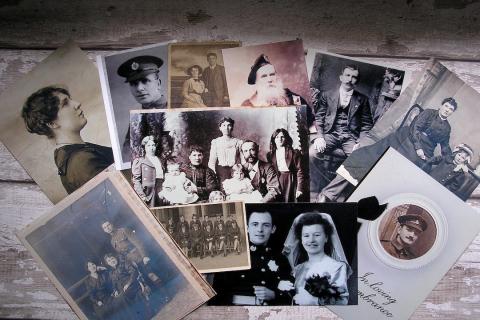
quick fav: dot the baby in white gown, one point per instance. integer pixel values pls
(173, 188)
(240, 188)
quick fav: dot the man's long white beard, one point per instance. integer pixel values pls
(272, 95)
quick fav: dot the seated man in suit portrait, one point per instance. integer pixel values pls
(342, 117)
(262, 174)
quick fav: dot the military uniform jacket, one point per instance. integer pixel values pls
(396, 250)
(125, 241)
(78, 163)
(265, 181)
(209, 236)
(360, 119)
(268, 268)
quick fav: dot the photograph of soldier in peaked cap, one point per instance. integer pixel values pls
(349, 96)
(110, 259)
(407, 232)
(197, 74)
(53, 122)
(132, 79)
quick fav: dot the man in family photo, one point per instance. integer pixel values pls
(261, 173)
(53, 113)
(216, 93)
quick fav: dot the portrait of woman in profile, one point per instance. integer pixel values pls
(193, 88)
(288, 165)
(318, 261)
(148, 173)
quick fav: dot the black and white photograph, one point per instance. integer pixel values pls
(434, 125)
(272, 74)
(53, 122)
(301, 254)
(198, 156)
(110, 259)
(197, 74)
(349, 95)
(212, 235)
(132, 79)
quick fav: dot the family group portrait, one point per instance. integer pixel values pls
(107, 262)
(213, 235)
(254, 155)
(301, 254)
(433, 125)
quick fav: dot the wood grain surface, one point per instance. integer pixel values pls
(410, 31)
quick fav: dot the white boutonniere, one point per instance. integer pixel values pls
(253, 248)
(272, 265)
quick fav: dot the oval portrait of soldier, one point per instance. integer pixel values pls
(407, 232)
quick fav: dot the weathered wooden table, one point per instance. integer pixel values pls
(403, 34)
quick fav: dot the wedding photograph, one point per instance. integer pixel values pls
(301, 254)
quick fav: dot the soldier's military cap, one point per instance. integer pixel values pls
(261, 61)
(414, 221)
(138, 67)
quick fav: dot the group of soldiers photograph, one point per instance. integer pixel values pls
(206, 236)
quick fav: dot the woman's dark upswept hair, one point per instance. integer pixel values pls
(288, 140)
(312, 218)
(41, 108)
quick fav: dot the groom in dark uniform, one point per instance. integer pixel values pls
(259, 285)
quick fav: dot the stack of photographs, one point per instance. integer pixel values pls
(229, 155)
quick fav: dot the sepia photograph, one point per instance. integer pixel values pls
(407, 232)
(132, 79)
(197, 74)
(53, 122)
(349, 95)
(434, 125)
(110, 259)
(198, 156)
(301, 254)
(212, 235)
(271, 74)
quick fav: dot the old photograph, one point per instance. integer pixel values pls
(197, 74)
(434, 125)
(197, 156)
(132, 79)
(212, 235)
(349, 96)
(407, 232)
(53, 122)
(110, 259)
(301, 254)
(271, 74)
